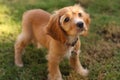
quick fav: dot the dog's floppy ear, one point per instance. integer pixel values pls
(87, 21)
(54, 29)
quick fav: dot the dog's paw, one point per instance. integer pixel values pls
(19, 64)
(83, 72)
(55, 77)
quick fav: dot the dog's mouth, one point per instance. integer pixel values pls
(80, 30)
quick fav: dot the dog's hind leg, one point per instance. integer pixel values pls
(23, 40)
(21, 43)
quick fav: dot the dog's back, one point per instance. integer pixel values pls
(35, 17)
(33, 24)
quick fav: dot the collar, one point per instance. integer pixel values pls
(73, 43)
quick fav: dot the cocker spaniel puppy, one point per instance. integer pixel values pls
(59, 33)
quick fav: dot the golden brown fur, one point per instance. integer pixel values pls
(56, 32)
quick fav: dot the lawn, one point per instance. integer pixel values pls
(100, 51)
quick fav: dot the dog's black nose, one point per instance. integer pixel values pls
(80, 24)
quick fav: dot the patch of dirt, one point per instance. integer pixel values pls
(74, 76)
(106, 47)
(110, 32)
(99, 52)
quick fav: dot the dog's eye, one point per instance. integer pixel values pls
(67, 19)
(80, 14)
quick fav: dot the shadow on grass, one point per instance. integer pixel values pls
(35, 64)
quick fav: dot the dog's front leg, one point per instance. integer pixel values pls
(53, 67)
(76, 65)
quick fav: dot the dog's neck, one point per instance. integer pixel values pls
(72, 41)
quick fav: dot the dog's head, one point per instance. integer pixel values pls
(68, 21)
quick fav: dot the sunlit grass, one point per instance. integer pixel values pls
(7, 25)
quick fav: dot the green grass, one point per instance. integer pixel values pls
(100, 49)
